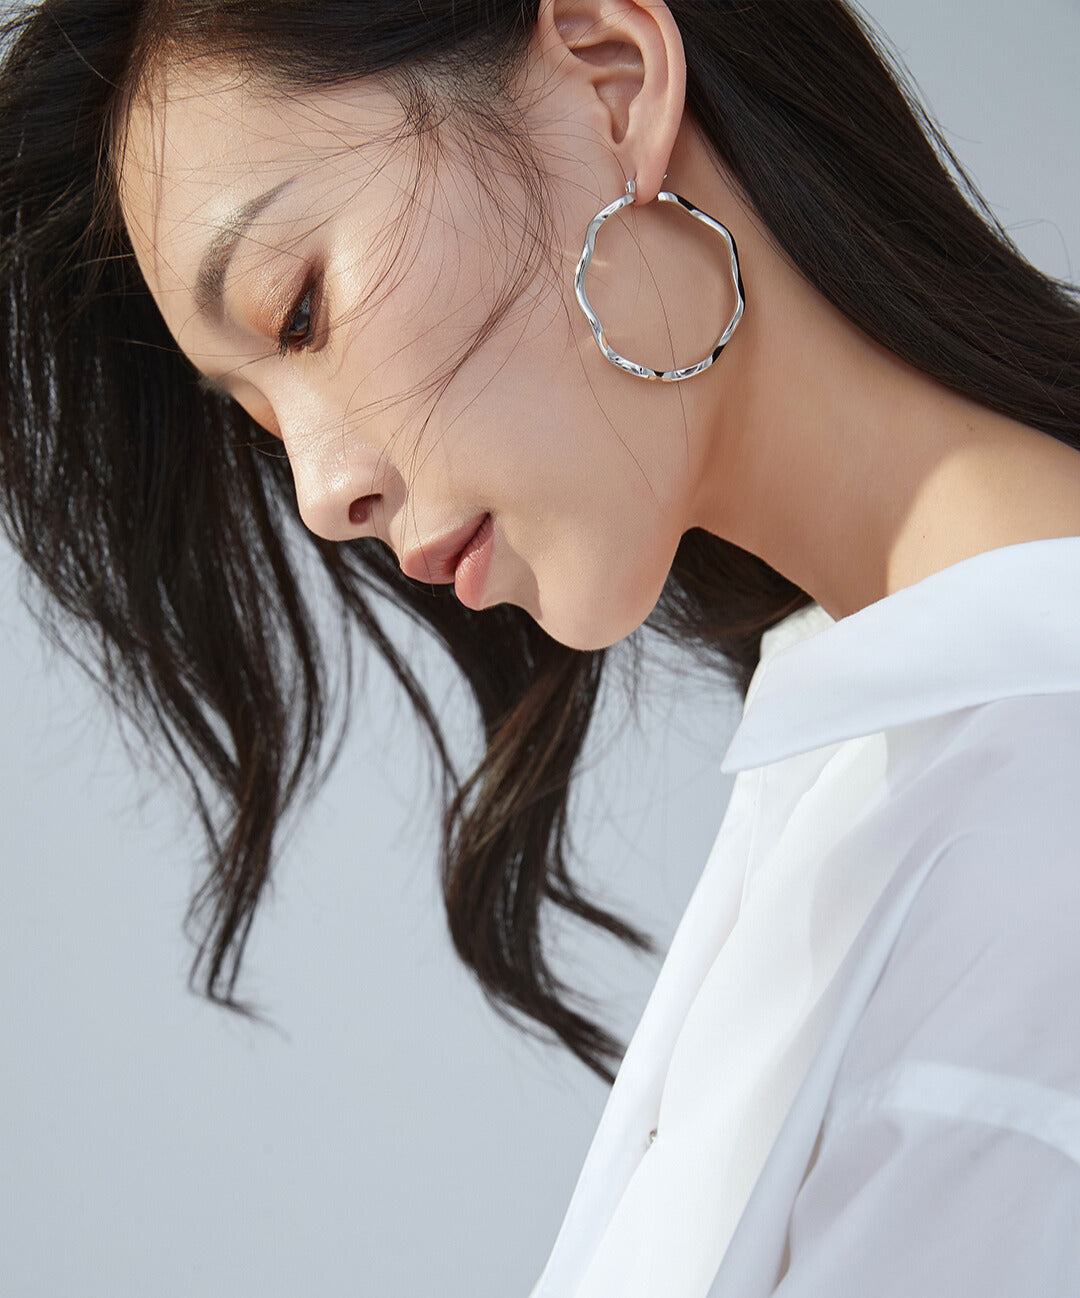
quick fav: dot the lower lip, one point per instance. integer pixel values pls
(470, 575)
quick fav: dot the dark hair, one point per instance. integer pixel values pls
(139, 501)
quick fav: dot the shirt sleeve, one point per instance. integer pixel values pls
(948, 1162)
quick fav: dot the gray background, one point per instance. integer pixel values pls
(392, 1136)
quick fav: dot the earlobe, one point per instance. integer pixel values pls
(630, 54)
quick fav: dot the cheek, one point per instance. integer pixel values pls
(592, 595)
(591, 497)
(585, 468)
(599, 555)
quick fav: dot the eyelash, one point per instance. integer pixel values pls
(310, 295)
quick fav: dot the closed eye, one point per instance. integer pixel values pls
(298, 329)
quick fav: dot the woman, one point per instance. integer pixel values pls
(602, 312)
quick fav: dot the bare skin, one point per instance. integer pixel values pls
(854, 474)
(805, 443)
(847, 470)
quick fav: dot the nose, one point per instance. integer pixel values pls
(340, 483)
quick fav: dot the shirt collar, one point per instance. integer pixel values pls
(999, 624)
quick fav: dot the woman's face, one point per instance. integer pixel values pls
(306, 265)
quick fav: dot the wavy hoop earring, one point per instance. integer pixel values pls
(631, 367)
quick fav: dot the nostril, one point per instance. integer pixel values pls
(360, 510)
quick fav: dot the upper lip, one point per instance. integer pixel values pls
(436, 561)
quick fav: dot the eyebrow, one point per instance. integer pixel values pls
(210, 281)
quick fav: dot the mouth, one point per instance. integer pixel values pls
(437, 563)
(470, 572)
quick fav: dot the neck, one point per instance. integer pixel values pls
(845, 469)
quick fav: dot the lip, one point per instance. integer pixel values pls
(470, 576)
(436, 561)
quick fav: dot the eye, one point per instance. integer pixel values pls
(298, 329)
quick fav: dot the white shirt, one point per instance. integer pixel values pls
(858, 1074)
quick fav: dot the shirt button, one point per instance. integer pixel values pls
(652, 1135)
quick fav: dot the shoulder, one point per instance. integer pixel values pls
(1014, 764)
(986, 967)
(948, 1162)
(1000, 797)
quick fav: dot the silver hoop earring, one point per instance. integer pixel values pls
(631, 367)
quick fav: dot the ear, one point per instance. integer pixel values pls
(624, 61)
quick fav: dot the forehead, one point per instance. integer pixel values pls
(201, 140)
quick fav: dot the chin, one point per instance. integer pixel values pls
(590, 625)
(585, 640)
